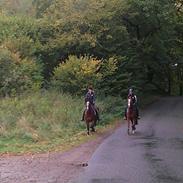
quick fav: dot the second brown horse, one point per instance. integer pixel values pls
(131, 116)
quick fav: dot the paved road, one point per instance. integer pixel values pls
(153, 155)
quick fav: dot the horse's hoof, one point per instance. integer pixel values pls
(133, 132)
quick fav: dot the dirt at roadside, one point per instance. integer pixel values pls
(52, 167)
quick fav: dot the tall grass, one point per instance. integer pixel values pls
(43, 120)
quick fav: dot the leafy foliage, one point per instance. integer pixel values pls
(75, 74)
(144, 36)
(18, 75)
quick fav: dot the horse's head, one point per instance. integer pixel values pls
(130, 102)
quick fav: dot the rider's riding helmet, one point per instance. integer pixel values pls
(130, 91)
(90, 87)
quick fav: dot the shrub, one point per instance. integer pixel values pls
(75, 74)
(18, 75)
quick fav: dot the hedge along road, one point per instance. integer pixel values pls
(153, 155)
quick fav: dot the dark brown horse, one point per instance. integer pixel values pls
(131, 115)
(90, 117)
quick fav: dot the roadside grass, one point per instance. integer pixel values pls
(50, 121)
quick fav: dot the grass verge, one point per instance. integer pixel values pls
(50, 121)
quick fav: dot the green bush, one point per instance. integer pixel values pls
(18, 75)
(75, 74)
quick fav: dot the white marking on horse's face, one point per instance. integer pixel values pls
(87, 105)
(129, 102)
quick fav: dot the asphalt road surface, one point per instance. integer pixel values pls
(154, 154)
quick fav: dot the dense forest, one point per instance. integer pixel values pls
(111, 44)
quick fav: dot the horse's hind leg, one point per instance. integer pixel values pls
(136, 121)
(88, 128)
(133, 127)
(93, 129)
(95, 123)
(93, 126)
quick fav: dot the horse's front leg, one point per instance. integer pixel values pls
(88, 128)
(128, 131)
(133, 126)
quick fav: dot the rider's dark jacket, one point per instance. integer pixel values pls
(90, 97)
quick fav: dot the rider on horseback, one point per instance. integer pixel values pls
(134, 99)
(90, 97)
